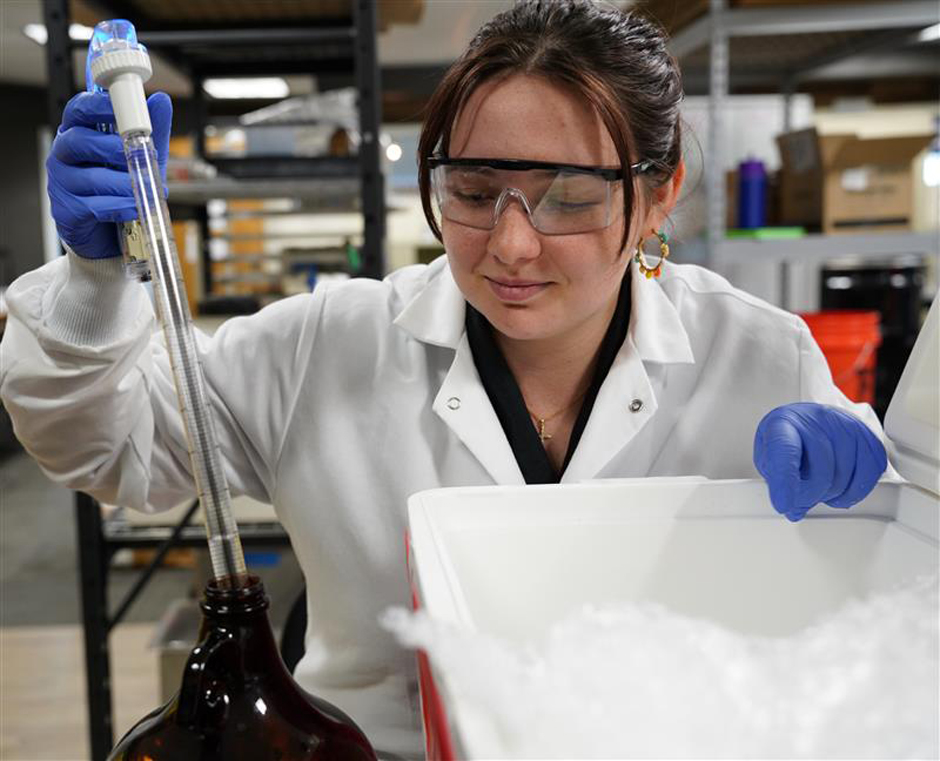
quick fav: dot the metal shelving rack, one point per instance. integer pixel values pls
(340, 49)
(854, 30)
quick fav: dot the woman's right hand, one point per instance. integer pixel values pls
(89, 186)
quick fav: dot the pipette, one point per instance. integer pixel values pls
(120, 65)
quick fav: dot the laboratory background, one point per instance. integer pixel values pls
(812, 145)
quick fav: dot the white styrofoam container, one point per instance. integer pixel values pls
(511, 561)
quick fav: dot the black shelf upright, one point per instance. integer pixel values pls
(370, 120)
(92, 555)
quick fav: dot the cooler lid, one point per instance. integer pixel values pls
(913, 418)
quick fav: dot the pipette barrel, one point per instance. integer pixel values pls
(225, 551)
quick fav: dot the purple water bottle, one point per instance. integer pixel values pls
(752, 194)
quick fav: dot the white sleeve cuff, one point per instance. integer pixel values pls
(95, 304)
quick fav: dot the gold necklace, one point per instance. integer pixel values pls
(541, 421)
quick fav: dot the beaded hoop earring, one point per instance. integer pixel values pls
(640, 257)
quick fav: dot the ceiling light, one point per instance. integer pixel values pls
(393, 152)
(38, 34)
(929, 34)
(256, 87)
(80, 32)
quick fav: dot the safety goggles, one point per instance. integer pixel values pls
(560, 199)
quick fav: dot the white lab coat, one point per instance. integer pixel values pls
(336, 406)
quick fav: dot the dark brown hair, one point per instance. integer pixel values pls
(617, 60)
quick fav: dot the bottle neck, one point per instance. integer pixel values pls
(225, 598)
(239, 614)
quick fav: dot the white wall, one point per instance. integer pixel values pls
(751, 125)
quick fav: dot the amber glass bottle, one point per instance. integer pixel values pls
(237, 700)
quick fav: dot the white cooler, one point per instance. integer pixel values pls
(511, 561)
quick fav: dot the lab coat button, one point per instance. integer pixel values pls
(636, 405)
(453, 403)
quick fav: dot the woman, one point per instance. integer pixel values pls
(538, 350)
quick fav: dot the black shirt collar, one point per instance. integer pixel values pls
(507, 400)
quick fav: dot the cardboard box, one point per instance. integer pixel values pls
(847, 184)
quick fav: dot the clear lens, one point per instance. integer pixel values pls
(558, 202)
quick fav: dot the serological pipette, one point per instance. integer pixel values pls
(120, 65)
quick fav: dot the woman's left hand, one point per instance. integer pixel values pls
(810, 453)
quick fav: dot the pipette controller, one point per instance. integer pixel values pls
(130, 234)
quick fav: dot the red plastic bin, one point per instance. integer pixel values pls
(849, 340)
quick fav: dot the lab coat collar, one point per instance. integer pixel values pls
(627, 400)
(625, 404)
(463, 405)
(655, 327)
(436, 314)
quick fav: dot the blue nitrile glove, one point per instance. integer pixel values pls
(810, 453)
(89, 187)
